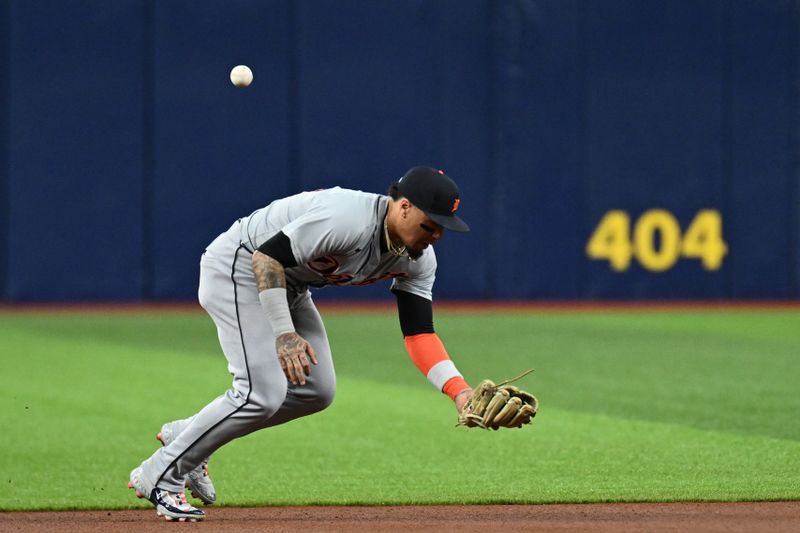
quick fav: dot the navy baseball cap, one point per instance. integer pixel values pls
(433, 192)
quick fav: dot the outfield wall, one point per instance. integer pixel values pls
(621, 150)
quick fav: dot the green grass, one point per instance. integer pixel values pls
(652, 406)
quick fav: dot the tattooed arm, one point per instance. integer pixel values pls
(269, 272)
(293, 350)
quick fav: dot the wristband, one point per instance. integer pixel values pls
(274, 303)
(455, 386)
(430, 356)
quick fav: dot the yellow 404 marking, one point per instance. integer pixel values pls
(611, 240)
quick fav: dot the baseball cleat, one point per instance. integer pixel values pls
(198, 481)
(170, 505)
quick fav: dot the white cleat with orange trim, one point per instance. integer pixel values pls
(171, 505)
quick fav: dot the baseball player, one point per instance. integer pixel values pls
(254, 282)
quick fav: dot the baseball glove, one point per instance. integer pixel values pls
(494, 406)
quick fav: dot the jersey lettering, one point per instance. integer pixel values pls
(326, 267)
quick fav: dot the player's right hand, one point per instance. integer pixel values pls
(294, 353)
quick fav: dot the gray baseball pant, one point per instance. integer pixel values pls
(260, 396)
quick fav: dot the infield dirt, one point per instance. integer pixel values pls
(774, 517)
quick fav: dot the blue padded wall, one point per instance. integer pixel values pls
(75, 151)
(5, 112)
(124, 149)
(219, 152)
(406, 87)
(763, 181)
(655, 115)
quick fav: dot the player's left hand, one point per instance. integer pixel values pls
(462, 398)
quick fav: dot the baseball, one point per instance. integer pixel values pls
(241, 76)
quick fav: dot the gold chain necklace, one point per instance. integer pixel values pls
(399, 251)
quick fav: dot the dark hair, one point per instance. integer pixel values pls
(394, 191)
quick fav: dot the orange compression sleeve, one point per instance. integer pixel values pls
(430, 356)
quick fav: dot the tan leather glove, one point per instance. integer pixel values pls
(494, 406)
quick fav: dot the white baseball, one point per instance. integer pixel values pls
(241, 76)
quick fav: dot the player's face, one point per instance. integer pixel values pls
(419, 230)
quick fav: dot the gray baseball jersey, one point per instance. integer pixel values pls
(335, 235)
